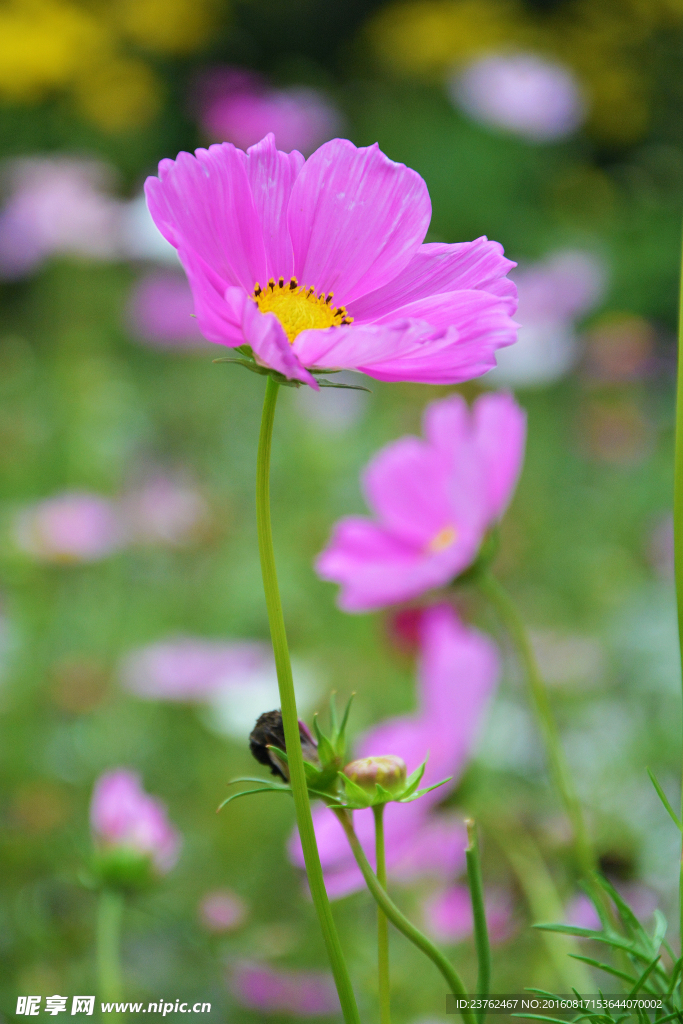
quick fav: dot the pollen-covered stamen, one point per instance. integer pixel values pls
(299, 309)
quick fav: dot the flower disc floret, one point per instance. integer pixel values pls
(299, 309)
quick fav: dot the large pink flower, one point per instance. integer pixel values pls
(319, 264)
(434, 500)
(458, 672)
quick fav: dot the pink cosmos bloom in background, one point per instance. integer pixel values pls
(57, 205)
(458, 671)
(553, 294)
(222, 911)
(642, 900)
(190, 669)
(237, 106)
(320, 264)
(295, 993)
(164, 510)
(523, 93)
(70, 527)
(159, 312)
(123, 816)
(433, 499)
(448, 915)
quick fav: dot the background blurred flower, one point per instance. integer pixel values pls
(160, 312)
(57, 204)
(70, 527)
(620, 348)
(222, 910)
(295, 993)
(522, 93)
(458, 671)
(165, 510)
(237, 106)
(552, 295)
(448, 915)
(434, 501)
(125, 818)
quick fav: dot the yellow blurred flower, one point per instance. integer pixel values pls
(120, 94)
(178, 26)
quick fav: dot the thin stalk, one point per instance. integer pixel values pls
(400, 921)
(678, 524)
(481, 935)
(382, 923)
(513, 623)
(108, 943)
(290, 719)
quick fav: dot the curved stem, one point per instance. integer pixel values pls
(290, 719)
(382, 923)
(513, 623)
(481, 934)
(108, 942)
(400, 921)
(678, 523)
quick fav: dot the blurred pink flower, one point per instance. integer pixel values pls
(190, 669)
(160, 311)
(164, 510)
(123, 816)
(296, 993)
(267, 239)
(457, 674)
(448, 915)
(237, 106)
(523, 93)
(434, 500)
(222, 911)
(57, 205)
(642, 900)
(70, 527)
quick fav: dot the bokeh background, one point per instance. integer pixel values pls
(553, 126)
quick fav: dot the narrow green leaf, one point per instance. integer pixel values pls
(603, 967)
(674, 975)
(628, 917)
(421, 792)
(659, 933)
(413, 780)
(662, 796)
(348, 387)
(248, 792)
(644, 976)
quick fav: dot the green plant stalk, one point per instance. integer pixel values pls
(400, 921)
(108, 943)
(678, 523)
(513, 623)
(481, 935)
(290, 719)
(382, 923)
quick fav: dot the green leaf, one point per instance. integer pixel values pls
(421, 792)
(248, 792)
(662, 796)
(348, 387)
(659, 933)
(674, 975)
(603, 967)
(326, 751)
(644, 976)
(627, 915)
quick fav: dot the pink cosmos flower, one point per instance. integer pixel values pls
(458, 672)
(190, 669)
(123, 816)
(318, 264)
(522, 93)
(448, 915)
(434, 500)
(222, 911)
(159, 311)
(581, 913)
(237, 106)
(70, 527)
(295, 993)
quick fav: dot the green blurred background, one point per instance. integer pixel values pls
(91, 403)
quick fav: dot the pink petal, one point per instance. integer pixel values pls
(266, 335)
(217, 319)
(204, 202)
(271, 176)
(356, 218)
(437, 268)
(500, 434)
(347, 347)
(446, 425)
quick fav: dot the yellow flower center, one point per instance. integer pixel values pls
(299, 309)
(443, 539)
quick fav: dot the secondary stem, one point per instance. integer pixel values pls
(382, 923)
(678, 522)
(290, 719)
(108, 942)
(400, 921)
(481, 935)
(515, 627)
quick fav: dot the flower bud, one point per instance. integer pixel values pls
(387, 770)
(269, 732)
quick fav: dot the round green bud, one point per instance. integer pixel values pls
(388, 770)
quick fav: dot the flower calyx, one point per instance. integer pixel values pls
(247, 360)
(374, 781)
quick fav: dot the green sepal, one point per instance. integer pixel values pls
(421, 792)
(413, 780)
(357, 797)
(326, 752)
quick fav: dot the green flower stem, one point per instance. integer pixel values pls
(108, 942)
(399, 920)
(290, 718)
(382, 923)
(513, 623)
(678, 520)
(481, 935)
